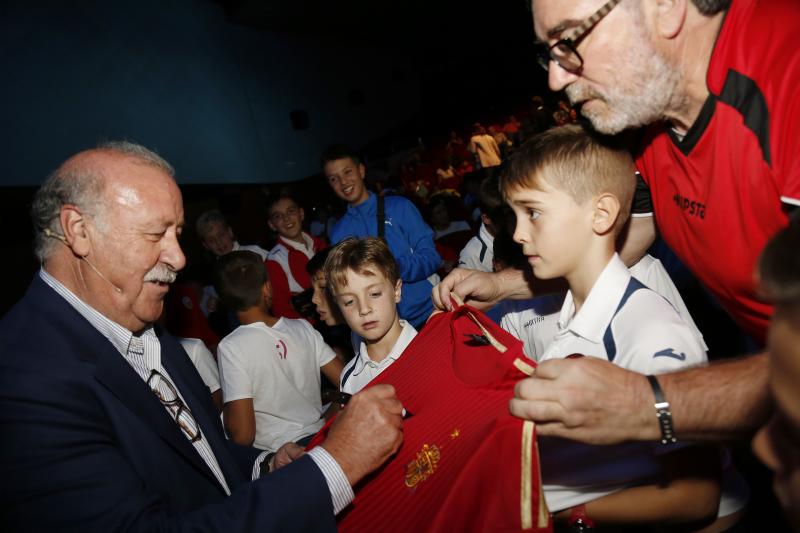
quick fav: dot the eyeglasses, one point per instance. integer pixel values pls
(280, 217)
(183, 416)
(564, 52)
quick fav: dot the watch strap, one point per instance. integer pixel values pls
(663, 412)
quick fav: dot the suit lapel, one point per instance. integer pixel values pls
(178, 365)
(121, 380)
(115, 374)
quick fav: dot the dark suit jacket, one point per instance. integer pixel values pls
(86, 446)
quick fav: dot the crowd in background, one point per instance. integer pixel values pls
(441, 175)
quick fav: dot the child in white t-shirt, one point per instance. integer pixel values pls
(364, 280)
(269, 367)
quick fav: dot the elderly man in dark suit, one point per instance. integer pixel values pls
(105, 424)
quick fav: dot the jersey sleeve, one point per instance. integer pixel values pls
(780, 70)
(661, 340)
(234, 372)
(642, 204)
(788, 148)
(422, 259)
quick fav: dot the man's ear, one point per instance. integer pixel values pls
(271, 225)
(605, 213)
(362, 170)
(669, 17)
(398, 291)
(302, 215)
(76, 234)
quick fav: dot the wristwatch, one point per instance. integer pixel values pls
(663, 413)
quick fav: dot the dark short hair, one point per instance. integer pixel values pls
(478, 129)
(335, 152)
(207, 219)
(238, 278)
(779, 268)
(317, 263)
(711, 7)
(490, 200)
(364, 256)
(451, 202)
(274, 199)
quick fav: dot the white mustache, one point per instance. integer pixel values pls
(161, 274)
(577, 93)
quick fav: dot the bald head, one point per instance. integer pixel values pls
(81, 182)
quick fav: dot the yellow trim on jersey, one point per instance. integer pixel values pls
(526, 511)
(544, 512)
(523, 367)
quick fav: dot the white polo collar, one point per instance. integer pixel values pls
(407, 334)
(600, 306)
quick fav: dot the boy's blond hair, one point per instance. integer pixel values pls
(576, 162)
(365, 256)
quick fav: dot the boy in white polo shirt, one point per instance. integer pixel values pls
(364, 280)
(571, 194)
(269, 366)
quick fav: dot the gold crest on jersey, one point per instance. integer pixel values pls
(423, 466)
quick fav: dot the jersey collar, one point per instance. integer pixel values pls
(600, 306)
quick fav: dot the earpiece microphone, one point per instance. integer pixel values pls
(100, 274)
(53, 235)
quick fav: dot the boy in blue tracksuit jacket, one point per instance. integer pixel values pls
(409, 238)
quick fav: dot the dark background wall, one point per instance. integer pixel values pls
(213, 96)
(212, 85)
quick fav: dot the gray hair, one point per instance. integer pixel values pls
(207, 219)
(82, 187)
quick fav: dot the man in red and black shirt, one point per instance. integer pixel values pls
(717, 81)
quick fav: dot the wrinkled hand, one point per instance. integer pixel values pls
(479, 289)
(285, 455)
(587, 400)
(367, 432)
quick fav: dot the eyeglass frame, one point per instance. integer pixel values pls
(570, 43)
(182, 407)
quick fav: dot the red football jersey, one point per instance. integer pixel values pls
(465, 464)
(719, 193)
